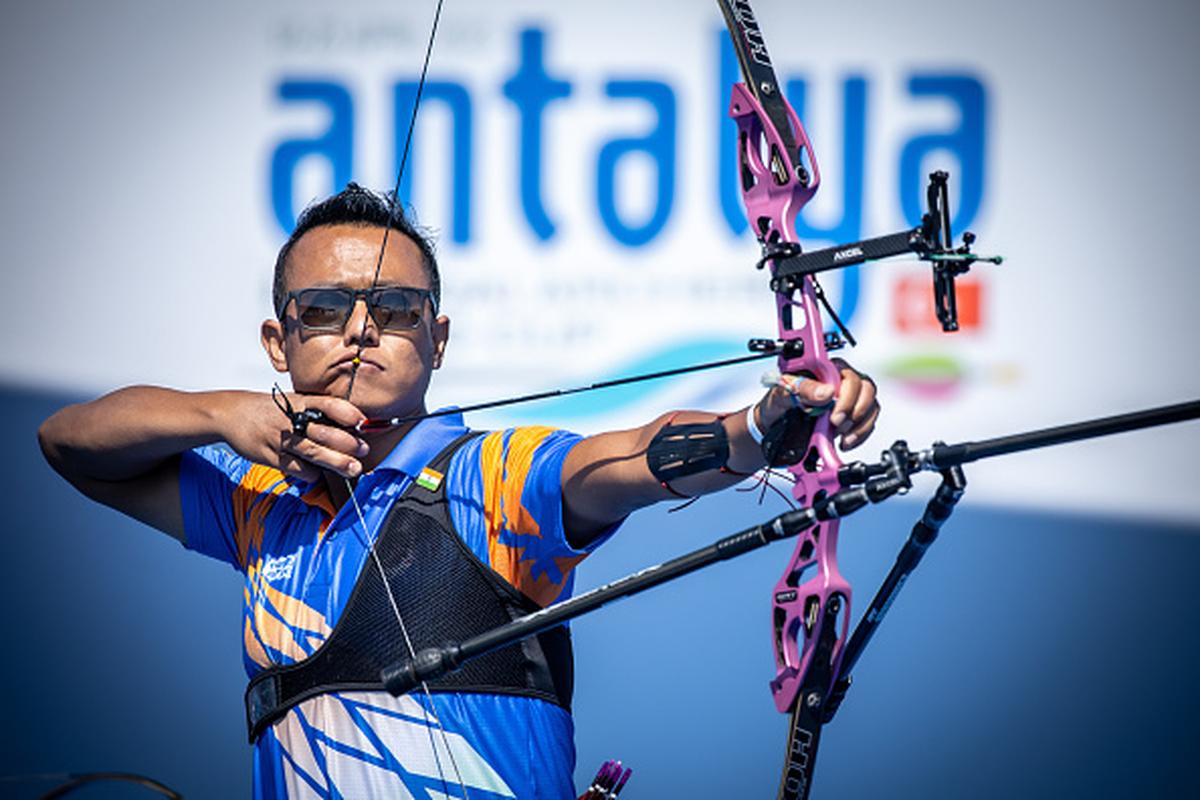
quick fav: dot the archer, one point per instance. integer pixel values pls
(366, 530)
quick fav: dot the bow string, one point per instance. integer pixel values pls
(428, 709)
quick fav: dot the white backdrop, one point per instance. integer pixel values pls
(139, 234)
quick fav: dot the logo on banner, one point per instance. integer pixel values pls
(913, 305)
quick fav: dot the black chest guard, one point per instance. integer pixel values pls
(444, 594)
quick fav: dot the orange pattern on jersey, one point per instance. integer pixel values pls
(318, 497)
(296, 613)
(505, 466)
(276, 635)
(254, 648)
(252, 500)
(280, 621)
(268, 628)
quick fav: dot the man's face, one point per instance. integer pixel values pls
(396, 364)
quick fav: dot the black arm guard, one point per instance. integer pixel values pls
(681, 450)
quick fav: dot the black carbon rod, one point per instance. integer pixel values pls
(848, 255)
(948, 455)
(924, 533)
(434, 662)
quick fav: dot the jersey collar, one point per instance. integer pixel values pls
(419, 446)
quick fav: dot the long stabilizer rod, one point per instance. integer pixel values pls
(941, 456)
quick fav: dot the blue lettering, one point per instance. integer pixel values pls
(728, 180)
(849, 227)
(335, 145)
(531, 89)
(458, 102)
(966, 142)
(659, 144)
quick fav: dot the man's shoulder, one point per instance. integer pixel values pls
(253, 502)
(526, 444)
(512, 459)
(244, 477)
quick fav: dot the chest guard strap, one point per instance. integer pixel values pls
(445, 594)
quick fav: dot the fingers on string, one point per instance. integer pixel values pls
(339, 412)
(319, 456)
(338, 440)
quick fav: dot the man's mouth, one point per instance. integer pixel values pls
(347, 364)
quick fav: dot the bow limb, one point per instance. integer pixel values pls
(779, 175)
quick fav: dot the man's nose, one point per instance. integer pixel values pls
(361, 324)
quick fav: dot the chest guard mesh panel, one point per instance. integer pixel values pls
(445, 594)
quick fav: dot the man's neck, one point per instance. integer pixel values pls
(381, 444)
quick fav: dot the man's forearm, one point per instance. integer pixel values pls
(129, 432)
(607, 476)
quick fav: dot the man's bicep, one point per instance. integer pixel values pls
(152, 498)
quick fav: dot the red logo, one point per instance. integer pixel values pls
(913, 309)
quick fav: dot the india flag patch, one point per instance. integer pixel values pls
(430, 479)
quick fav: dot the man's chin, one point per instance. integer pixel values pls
(372, 394)
(363, 384)
(381, 406)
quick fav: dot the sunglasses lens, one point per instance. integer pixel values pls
(392, 308)
(397, 309)
(323, 309)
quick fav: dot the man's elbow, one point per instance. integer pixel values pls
(59, 439)
(50, 440)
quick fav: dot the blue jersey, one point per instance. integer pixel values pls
(301, 561)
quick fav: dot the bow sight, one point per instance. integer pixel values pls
(930, 241)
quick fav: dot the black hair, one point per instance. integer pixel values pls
(355, 205)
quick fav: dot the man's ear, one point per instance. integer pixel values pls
(272, 341)
(440, 332)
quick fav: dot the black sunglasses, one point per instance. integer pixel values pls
(327, 309)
